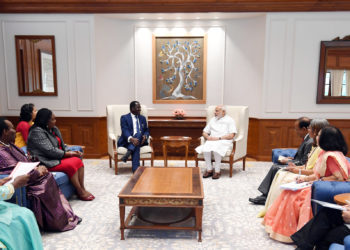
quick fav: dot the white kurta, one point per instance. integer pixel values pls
(218, 128)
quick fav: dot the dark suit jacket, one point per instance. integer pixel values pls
(128, 129)
(301, 156)
(43, 146)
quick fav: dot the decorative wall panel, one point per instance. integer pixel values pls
(263, 135)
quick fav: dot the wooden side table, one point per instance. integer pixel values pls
(175, 141)
(342, 198)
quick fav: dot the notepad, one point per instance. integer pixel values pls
(295, 186)
(22, 168)
(330, 205)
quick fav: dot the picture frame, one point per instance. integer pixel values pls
(179, 69)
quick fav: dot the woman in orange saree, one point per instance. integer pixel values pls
(292, 209)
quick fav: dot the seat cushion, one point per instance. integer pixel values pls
(60, 178)
(326, 190)
(226, 157)
(143, 150)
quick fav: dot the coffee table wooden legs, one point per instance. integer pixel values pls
(122, 222)
(165, 154)
(198, 226)
(199, 213)
(186, 155)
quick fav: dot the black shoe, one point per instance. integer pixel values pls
(208, 174)
(79, 220)
(259, 200)
(126, 156)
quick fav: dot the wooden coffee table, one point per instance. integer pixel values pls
(161, 187)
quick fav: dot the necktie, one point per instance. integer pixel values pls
(137, 125)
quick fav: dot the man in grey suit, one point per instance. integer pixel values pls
(301, 127)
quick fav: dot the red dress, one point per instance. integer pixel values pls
(68, 165)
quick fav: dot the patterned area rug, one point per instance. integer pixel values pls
(229, 220)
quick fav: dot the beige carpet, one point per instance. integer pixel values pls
(229, 220)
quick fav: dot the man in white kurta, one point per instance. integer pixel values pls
(218, 134)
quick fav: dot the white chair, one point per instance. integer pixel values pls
(114, 112)
(239, 148)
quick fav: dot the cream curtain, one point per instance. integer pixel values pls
(348, 82)
(336, 81)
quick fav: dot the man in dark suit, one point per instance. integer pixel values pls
(301, 127)
(134, 134)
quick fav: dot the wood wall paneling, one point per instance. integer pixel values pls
(253, 137)
(166, 6)
(263, 134)
(161, 126)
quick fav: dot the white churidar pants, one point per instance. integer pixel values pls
(207, 158)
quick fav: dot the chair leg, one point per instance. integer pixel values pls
(231, 167)
(116, 164)
(196, 162)
(110, 161)
(152, 162)
(244, 163)
(143, 162)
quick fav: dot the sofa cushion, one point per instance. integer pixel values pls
(326, 190)
(60, 177)
(62, 180)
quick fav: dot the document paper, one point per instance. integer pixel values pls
(295, 186)
(330, 205)
(22, 168)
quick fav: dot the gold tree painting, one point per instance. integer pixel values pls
(179, 69)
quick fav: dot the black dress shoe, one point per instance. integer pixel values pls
(79, 220)
(126, 156)
(259, 200)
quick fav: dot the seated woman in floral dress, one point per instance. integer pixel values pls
(45, 144)
(292, 209)
(288, 174)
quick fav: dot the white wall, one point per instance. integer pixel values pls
(114, 62)
(234, 66)
(291, 63)
(74, 58)
(244, 67)
(268, 62)
(215, 63)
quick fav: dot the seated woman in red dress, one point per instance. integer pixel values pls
(45, 144)
(26, 117)
(292, 209)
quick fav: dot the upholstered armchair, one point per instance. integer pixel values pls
(114, 112)
(239, 146)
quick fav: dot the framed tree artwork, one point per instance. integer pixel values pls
(179, 69)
